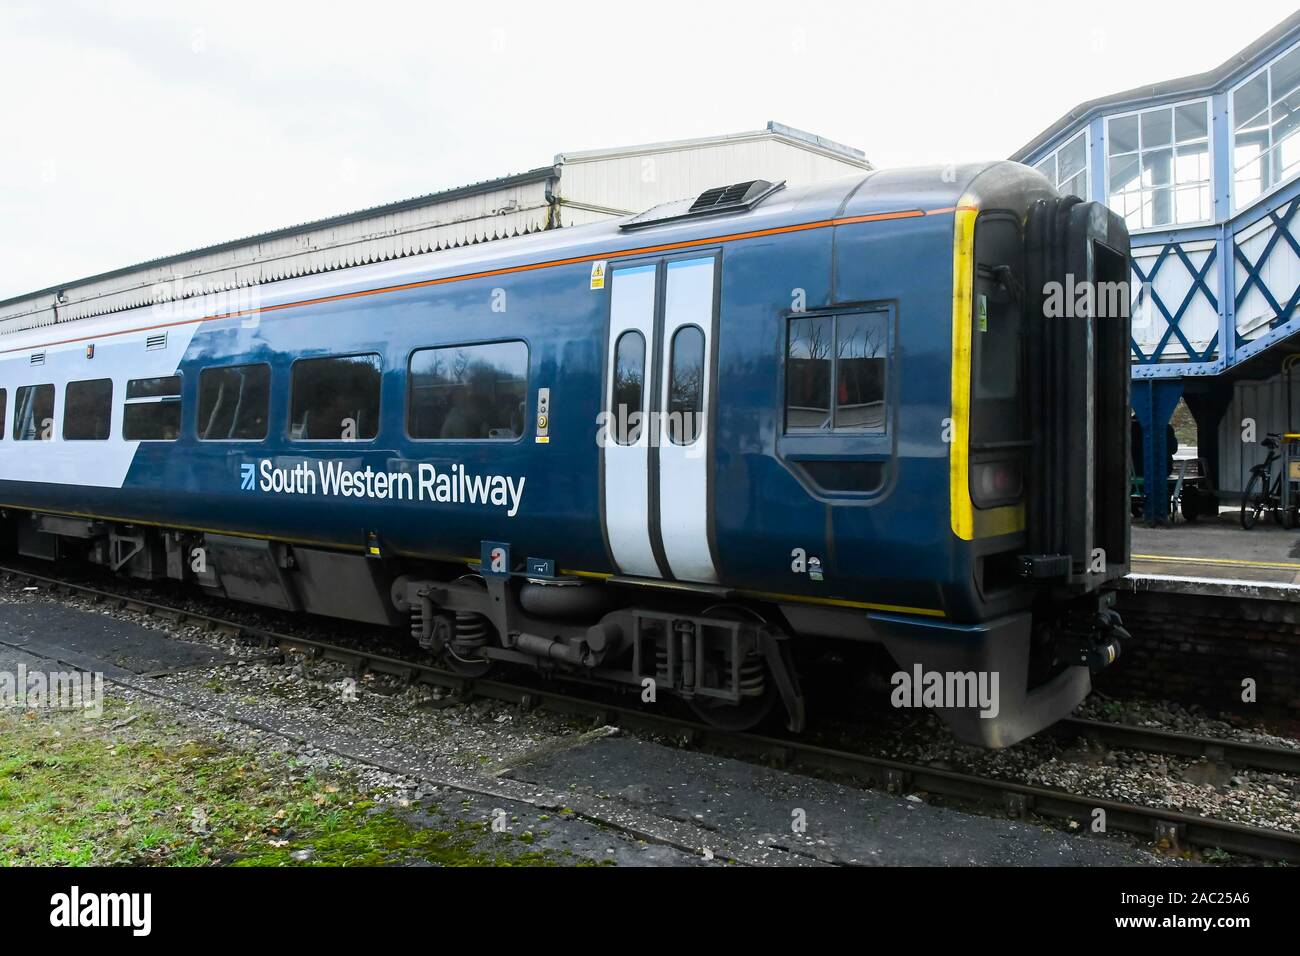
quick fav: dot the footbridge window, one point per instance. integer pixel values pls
(1265, 123)
(1067, 167)
(1158, 165)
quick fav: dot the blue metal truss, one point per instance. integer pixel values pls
(1281, 230)
(1282, 209)
(1173, 320)
(1157, 383)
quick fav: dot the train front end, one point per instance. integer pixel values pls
(1038, 464)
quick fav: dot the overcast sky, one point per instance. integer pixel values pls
(135, 130)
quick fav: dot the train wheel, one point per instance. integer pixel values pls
(751, 711)
(463, 655)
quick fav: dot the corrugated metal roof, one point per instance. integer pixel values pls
(539, 174)
(773, 129)
(599, 185)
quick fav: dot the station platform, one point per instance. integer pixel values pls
(1218, 556)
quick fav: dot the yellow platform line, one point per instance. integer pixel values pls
(1231, 562)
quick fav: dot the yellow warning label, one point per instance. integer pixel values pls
(598, 274)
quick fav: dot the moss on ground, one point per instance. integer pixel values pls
(132, 788)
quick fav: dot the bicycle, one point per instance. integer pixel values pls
(1261, 493)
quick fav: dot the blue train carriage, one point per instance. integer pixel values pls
(665, 452)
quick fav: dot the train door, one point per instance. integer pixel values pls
(656, 441)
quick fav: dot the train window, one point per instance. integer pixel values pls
(234, 403)
(997, 331)
(153, 409)
(836, 370)
(686, 385)
(629, 387)
(34, 413)
(997, 346)
(4, 409)
(336, 399)
(860, 350)
(87, 410)
(808, 373)
(468, 392)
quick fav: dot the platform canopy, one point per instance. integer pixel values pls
(574, 189)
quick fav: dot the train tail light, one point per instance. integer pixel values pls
(996, 482)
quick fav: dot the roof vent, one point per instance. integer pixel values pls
(716, 201)
(727, 197)
(38, 358)
(156, 342)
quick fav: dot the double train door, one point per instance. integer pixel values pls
(656, 442)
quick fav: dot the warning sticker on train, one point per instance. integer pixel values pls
(445, 485)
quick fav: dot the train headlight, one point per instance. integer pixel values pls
(996, 482)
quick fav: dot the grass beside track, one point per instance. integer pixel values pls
(135, 788)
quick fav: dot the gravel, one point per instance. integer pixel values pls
(485, 735)
(1185, 785)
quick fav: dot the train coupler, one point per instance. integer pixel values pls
(1093, 639)
(1045, 567)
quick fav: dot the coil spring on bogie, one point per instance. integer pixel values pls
(753, 677)
(471, 633)
(417, 624)
(661, 662)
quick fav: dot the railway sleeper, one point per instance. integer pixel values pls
(1169, 832)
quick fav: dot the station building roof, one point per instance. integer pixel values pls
(575, 189)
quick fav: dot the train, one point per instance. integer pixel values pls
(662, 453)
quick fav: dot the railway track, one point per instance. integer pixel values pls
(1017, 799)
(1237, 753)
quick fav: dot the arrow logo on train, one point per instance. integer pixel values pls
(246, 473)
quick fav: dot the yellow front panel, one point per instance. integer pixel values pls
(967, 522)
